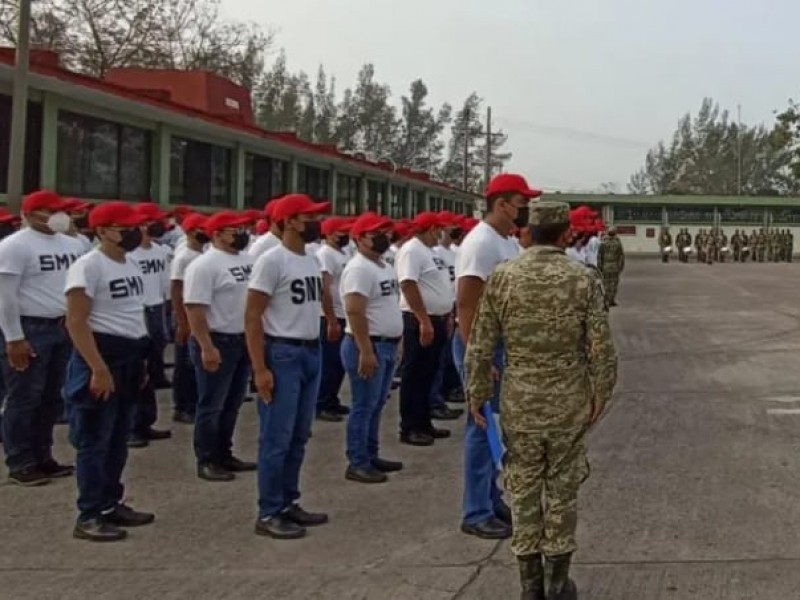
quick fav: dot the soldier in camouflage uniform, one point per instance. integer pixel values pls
(789, 245)
(736, 246)
(561, 369)
(664, 242)
(754, 245)
(700, 244)
(611, 262)
(761, 245)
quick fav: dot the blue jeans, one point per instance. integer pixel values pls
(219, 397)
(332, 370)
(32, 396)
(285, 424)
(99, 429)
(368, 399)
(184, 383)
(481, 493)
(446, 379)
(146, 409)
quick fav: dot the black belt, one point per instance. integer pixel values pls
(294, 342)
(381, 339)
(152, 309)
(43, 320)
(431, 317)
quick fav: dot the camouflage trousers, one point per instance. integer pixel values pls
(610, 284)
(543, 472)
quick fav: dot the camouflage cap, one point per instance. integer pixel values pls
(544, 213)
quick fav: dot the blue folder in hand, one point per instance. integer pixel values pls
(492, 432)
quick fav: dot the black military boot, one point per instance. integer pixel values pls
(561, 586)
(531, 577)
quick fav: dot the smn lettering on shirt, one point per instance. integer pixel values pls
(390, 287)
(126, 287)
(241, 273)
(153, 265)
(308, 289)
(56, 262)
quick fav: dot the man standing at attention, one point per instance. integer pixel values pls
(484, 514)
(611, 262)
(561, 369)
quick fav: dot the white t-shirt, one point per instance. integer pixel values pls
(117, 293)
(482, 250)
(313, 248)
(294, 284)
(448, 258)
(154, 265)
(415, 262)
(184, 256)
(378, 284)
(41, 262)
(390, 255)
(218, 280)
(333, 262)
(87, 244)
(263, 243)
(576, 254)
(591, 250)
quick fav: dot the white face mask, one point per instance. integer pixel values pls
(59, 222)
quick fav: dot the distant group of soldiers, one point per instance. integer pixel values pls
(712, 246)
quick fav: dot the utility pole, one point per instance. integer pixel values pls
(487, 168)
(466, 148)
(19, 110)
(738, 149)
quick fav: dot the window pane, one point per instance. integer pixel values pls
(220, 194)
(134, 163)
(313, 181)
(785, 215)
(347, 195)
(375, 195)
(736, 214)
(690, 214)
(200, 174)
(257, 180)
(33, 144)
(638, 214)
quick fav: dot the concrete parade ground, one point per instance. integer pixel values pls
(694, 492)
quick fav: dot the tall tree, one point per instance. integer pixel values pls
(711, 154)
(786, 135)
(94, 36)
(418, 143)
(465, 136)
(325, 104)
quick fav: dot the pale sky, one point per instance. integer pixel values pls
(583, 87)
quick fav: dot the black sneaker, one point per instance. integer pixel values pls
(183, 417)
(98, 530)
(503, 513)
(443, 413)
(52, 469)
(157, 434)
(305, 519)
(368, 475)
(329, 416)
(387, 466)
(279, 528)
(30, 477)
(438, 434)
(137, 441)
(340, 409)
(212, 472)
(235, 465)
(125, 516)
(490, 529)
(415, 438)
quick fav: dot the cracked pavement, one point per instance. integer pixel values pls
(693, 495)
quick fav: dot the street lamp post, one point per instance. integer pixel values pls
(19, 110)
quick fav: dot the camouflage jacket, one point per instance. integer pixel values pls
(549, 312)
(611, 256)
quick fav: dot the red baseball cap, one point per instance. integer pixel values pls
(297, 204)
(182, 209)
(510, 183)
(73, 205)
(193, 221)
(116, 213)
(262, 226)
(7, 217)
(151, 211)
(253, 214)
(449, 219)
(403, 228)
(469, 224)
(270, 206)
(333, 225)
(42, 200)
(223, 219)
(427, 220)
(369, 222)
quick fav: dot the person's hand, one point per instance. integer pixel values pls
(181, 335)
(334, 331)
(211, 359)
(101, 385)
(367, 364)
(20, 354)
(425, 333)
(264, 383)
(598, 412)
(477, 416)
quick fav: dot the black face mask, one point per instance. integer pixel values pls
(6, 230)
(131, 239)
(240, 240)
(81, 222)
(312, 231)
(201, 238)
(342, 241)
(156, 230)
(455, 233)
(380, 243)
(522, 216)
